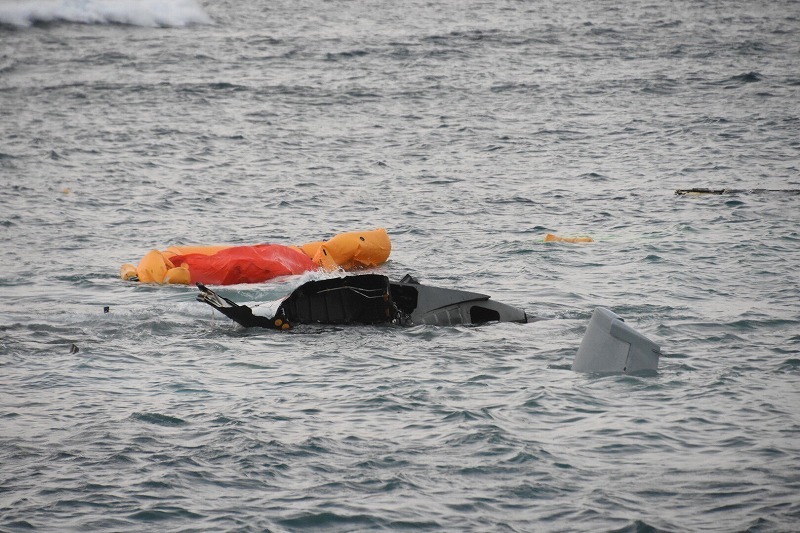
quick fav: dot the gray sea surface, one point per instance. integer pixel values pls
(468, 130)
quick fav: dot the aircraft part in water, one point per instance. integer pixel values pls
(609, 345)
(370, 299)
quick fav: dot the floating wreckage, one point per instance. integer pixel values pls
(228, 265)
(573, 240)
(700, 191)
(370, 299)
(608, 346)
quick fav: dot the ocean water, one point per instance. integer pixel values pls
(468, 130)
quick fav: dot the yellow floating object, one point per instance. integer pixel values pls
(357, 249)
(225, 264)
(555, 238)
(128, 271)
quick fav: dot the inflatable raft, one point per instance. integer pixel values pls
(228, 265)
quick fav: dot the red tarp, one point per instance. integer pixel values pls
(245, 264)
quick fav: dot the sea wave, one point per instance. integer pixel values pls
(148, 13)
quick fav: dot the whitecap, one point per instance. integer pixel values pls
(148, 13)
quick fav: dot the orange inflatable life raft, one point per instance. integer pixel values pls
(227, 265)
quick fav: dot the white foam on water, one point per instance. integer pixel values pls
(149, 13)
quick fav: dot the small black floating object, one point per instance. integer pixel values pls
(700, 190)
(74, 349)
(106, 309)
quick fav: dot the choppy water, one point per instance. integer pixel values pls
(468, 130)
